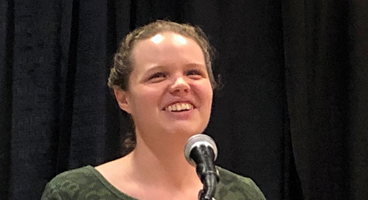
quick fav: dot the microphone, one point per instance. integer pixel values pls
(201, 152)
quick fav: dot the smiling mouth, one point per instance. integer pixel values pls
(179, 107)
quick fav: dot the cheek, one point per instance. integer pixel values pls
(205, 92)
(146, 101)
(207, 89)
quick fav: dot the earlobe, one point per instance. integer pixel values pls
(121, 98)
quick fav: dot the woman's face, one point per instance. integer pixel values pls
(169, 87)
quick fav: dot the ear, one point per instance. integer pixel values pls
(122, 99)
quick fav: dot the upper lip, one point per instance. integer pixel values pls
(179, 101)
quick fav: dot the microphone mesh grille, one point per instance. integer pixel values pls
(196, 141)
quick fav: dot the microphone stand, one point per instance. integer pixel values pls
(207, 173)
(208, 193)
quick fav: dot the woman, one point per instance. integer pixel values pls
(162, 78)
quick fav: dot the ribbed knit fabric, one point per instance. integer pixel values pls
(88, 183)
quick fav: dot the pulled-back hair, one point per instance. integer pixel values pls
(123, 59)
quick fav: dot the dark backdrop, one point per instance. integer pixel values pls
(293, 113)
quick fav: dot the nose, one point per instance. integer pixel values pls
(180, 86)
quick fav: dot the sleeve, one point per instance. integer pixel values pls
(237, 187)
(51, 192)
(255, 192)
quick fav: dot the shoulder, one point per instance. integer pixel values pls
(234, 186)
(228, 178)
(73, 183)
(72, 178)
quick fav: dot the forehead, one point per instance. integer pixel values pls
(176, 38)
(167, 36)
(167, 45)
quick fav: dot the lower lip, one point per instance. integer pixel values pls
(181, 115)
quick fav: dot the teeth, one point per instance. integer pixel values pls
(179, 107)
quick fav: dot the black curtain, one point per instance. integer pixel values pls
(292, 114)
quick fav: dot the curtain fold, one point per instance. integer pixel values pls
(34, 100)
(319, 67)
(358, 116)
(6, 73)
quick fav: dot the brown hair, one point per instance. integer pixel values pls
(123, 59)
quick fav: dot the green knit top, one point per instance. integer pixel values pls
(88, 183)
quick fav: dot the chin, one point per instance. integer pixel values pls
(186, 130)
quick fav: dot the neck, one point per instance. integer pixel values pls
(164, 162)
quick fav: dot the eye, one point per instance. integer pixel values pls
(157, 76)
(194, 73)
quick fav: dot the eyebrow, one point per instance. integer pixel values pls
(165, 67)
(155, 68)
(188, 65)
(196, 65)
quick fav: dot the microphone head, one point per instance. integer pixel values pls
(196, 141)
